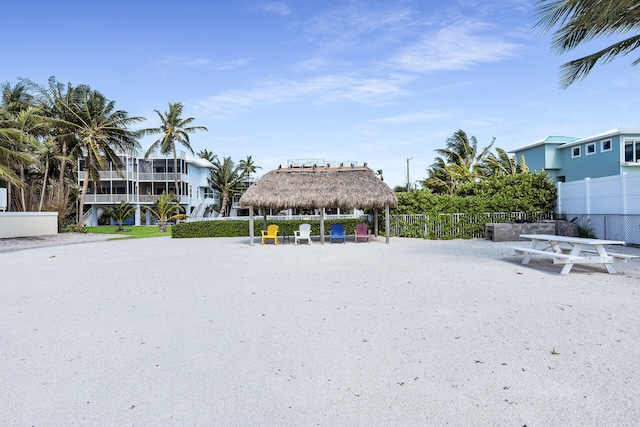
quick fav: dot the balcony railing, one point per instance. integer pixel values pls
(98, 199)
(132, 176)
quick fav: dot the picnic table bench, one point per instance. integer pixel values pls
(568, 251)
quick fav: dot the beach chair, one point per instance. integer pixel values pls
(270, 233)
(303, 233)
(337, 232)
(362, 232)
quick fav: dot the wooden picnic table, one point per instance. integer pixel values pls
(568, 251)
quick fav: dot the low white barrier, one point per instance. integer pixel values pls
(28, 224)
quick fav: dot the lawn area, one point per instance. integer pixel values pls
(133, 232)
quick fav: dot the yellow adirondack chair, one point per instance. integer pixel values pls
(270, 233)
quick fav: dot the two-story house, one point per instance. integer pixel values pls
(569, 159)
(138, 179)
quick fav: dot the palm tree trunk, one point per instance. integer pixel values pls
(24, 203)
(63, 165)
(44, 184)
(223, 205)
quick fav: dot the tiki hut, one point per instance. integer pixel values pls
(320, 187)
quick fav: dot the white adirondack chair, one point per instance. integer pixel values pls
(303, 233)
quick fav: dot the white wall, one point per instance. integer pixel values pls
(3, 199)
(28, 224)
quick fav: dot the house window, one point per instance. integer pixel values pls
(605, 145)
(575, 152)
(632, 150)
(590, 148)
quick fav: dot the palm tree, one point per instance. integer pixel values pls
(52, 100)
(46, 153)
(10, 152)
(501, 164)
(581, 21)
(101, 131)
(16, 98)
(120, 212)
(247, 166)
(379, 173)
(226, 177)
(207, 155)
(173, 129)
(166, 208)
(456, 164)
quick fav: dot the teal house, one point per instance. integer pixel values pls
(568, 159)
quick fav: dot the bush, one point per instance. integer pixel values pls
(239, 228)
(527, 192)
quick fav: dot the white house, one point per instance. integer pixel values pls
(138, 178)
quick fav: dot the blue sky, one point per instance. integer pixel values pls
(370, 81)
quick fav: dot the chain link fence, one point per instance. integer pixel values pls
(610, 226)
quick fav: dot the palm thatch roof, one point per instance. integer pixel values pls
(345, 187)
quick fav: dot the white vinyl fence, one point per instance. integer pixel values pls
(609, 206)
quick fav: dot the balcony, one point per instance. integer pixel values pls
(107, 199)
(133, 176)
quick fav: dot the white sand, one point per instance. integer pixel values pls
(214, 332)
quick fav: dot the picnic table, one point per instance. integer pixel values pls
(568, 251)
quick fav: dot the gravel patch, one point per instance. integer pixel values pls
(21, 243)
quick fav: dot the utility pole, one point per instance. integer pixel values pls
(408, 179)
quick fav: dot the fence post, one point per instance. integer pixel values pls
(587, 195)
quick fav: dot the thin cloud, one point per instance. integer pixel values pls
(323, 89)
(455, 47)
(191, 62)
(424, 116)
(277, 8)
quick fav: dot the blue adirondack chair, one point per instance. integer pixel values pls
(337, 232)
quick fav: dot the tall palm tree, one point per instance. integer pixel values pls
(226, 177)
(11, 151)
(581, 21)
(101, 132)
(248, 167)
(21, 132)
(456, 164)
(52, 101)
(173, 129)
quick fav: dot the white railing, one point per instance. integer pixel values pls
(133, 176)
(130, 198)
(453, 225)
(162, 177)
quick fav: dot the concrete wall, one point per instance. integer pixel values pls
(28, 224)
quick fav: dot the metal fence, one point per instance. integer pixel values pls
(458, 225)
(610, 226)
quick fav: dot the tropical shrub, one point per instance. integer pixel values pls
(532, 192)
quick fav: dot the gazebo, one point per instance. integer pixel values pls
(312, 187)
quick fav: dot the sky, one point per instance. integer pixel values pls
(383, 82)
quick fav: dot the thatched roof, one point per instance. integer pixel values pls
(345, 187)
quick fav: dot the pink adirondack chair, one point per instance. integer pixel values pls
(362, 232)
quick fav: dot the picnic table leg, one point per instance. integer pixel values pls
(605, 259)
(575, 250)
(527, 256)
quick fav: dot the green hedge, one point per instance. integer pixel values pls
(238, 228)
(529, 192)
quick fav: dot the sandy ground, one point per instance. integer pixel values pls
(163, 331)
